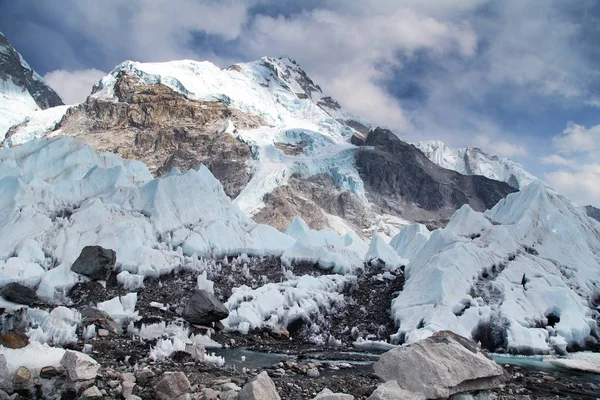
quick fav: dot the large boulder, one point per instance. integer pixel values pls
(391, 391)
(440, 366)
(172, 385)
(95, 262)
(259, 388)
(203, 308)
(79, 366)
(327, 394)
(18, 293)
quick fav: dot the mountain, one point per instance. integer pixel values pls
(473, 161)
(593, 212)
(22, 90)
(279, 145)
(523, 277)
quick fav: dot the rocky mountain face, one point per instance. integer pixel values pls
(474, 161)
(400, 180)
(593, 212)
(23, 90)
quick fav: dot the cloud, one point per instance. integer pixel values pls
(577, 170)
(578, 139)
(73, 86)
(500, 147)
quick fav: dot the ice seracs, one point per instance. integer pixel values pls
(473, 161)
(522, 277)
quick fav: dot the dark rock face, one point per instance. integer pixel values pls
(156, 125)
(12, 67)
(593, 212)
(203, 308)
(398, 177)
(18, 293)
(95, 262)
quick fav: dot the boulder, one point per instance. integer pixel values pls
(391, 391)
(327, 394)
(79, 366)
(127, 388)
(172, 385)
(259, 388)
(91, 394)
(91, 315)
(22, 378)
(18, 293)
(203, 308)
(14, 340)
(95, 262)
(313, 372)
(440, 366)
(48, 372)
(144, 376)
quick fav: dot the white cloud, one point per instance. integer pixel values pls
(578, 139)
(500, 147)
(577, 170)
(73, 86)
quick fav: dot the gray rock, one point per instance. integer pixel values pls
(423, 366)
(95, 262)
(327, 394)
(133, 397)
(91, 393)
(196, 350)
(313, 372)
(260, 388)
(79, 366)
(22, 378)
(144, 376)
(209, 394)
(4, 395)
(229, 395)
(172, 385)
(391, 391)
(18, 293)
(127, 388)
(203, 308)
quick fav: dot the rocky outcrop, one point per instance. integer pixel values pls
(260, 388)
(14, 68)
(423, 367)
(593, 212)
(400, 180)
(165, 130)
(203, 309)
(95, 262)
(311, 199)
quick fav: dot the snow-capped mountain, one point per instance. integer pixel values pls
(22, 90)
(593, 212)
(279, 145)
(473, 161)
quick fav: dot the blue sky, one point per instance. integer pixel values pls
(517, 78)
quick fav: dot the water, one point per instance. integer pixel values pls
(538, 363)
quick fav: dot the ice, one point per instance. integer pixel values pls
(57, 327)
(101, 199)
(324, 248)
(584, 361)
(534, 257)
(121, 309)
(165, 347)
(205, 284)
(15, 105)
(37, 124)
(34, 357)
(410, 240)
(130, 281)
(276, 305)
(381, 252)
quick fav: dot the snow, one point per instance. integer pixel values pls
(324, 248)
(121, 309)
(154, 225)
(15, 105)
(34, 357)
(379, 251)
(534, 255)
(57, 327)
(37, 124)
(276, 305)
(410, 240)
(473, 161)
(583, 361)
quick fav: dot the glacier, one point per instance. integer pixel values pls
(523, 277)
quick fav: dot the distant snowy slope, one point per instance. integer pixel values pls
(22, 90)
(522, 277)
(473, 161)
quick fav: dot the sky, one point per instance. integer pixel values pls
(516, 78)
